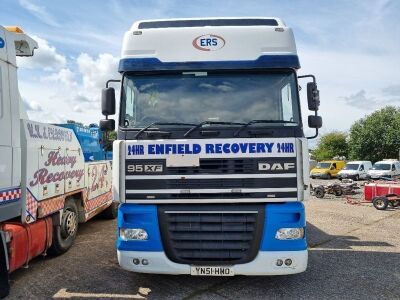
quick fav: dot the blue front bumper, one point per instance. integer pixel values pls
(277, 215)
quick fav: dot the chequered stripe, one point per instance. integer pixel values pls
(46, 207)
(97, 201)
(10, 195)
(31, 207)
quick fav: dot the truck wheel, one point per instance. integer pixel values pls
(110, 212)
(4, 283)
(356, 178)
(65, 234)
(380, 203)
(328, 176)
(319, 192)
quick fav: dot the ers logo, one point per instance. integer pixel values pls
(208, 42)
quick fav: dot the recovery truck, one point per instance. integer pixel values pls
(211, 163)
(52, 177)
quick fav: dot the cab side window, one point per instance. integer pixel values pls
(333, 166)
(393, 168)
(362, 168)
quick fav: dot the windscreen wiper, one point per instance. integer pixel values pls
(211, 123)
(161, 123)
(261, 121)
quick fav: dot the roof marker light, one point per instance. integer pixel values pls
(14, 29)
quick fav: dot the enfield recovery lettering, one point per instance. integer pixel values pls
(210, 148)
(43, 175)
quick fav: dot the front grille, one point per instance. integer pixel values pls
(215, 166)
(211, 234)
(219, 166)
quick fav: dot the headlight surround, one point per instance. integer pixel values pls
(294, 233)
(133, 234)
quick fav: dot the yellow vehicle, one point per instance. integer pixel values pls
(327, 169)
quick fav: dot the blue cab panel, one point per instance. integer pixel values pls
(90, 138)
(263, 62)
(283, 215)
(139, 216)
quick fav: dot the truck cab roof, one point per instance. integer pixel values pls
(223, 43)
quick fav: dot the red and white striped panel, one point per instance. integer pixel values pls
(10, 195)
(46, 207)
(31, 207)
(97, 201)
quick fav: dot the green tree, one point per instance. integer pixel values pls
(330, 145)
(377, 136)
(109, 138)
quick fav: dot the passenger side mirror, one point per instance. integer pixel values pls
(313, 96)
(314, 122)
(108, 102)
(107, 125)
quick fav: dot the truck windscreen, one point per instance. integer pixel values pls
(193, 97)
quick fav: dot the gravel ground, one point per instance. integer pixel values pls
(354, 253)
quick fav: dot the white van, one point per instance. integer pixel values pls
(385, 168)
(355, 170)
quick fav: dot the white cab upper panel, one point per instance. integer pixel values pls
(224, 39)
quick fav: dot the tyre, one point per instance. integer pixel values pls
(319, 192)
(4, 283)
(337, 191)
(328, 176)
(356, 178)
(65, 234)
(110, 212)
(380, 203)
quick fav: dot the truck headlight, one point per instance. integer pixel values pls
(290, 233)
(131, 234)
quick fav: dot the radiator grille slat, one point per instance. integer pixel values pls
(212, 234)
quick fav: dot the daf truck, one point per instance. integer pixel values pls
(52, 177)
(211, 164)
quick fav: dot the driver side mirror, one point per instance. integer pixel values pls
(313, 96)
(108, 101)
(107, 125)
(314, 122)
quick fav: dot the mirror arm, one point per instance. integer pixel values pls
(112, 80)
(310, 75)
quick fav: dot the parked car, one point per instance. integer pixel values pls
(355, 170)
(327, 169)
(389, 168)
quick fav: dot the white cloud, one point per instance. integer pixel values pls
(46, 57)
(39, 12)
(64, 76)
(32, 106)
(78, 108)
(96, 71)
(68, 93)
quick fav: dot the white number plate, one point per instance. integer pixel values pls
(211, 271)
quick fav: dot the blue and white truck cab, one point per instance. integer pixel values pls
(211, 162)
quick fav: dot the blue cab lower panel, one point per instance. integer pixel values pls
(277, 215)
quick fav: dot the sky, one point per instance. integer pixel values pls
(352, 47)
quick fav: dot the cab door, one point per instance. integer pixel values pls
(5, 125)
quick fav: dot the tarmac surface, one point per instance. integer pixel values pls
(354, 252)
